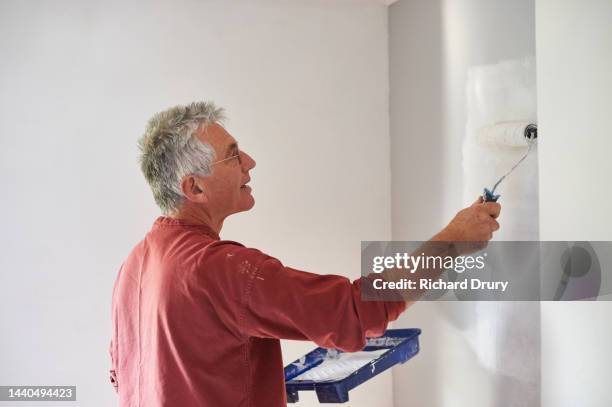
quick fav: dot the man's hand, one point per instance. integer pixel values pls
(472, 227)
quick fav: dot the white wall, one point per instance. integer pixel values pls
(432, 45)
(574, 62)
(305, 85)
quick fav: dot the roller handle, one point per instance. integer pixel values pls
(530, 133)
(489, 196)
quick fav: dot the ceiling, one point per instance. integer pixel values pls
(385, 2)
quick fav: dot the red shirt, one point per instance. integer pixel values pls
(197, 320)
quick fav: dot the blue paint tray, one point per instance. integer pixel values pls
(331, 373)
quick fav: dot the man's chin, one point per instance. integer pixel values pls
(248, 203)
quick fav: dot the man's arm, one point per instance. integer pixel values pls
(257, 296)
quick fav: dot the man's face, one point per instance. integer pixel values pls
(225, 187)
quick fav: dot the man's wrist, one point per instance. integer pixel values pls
(442, 236)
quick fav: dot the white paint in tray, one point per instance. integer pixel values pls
(337, 365)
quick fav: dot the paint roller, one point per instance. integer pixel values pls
(508, 134)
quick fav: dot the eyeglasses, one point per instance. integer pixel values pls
(237, 156)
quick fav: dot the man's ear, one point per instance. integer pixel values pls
(193, 189)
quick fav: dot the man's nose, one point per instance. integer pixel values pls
(247, 161)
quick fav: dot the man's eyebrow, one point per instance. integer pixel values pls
(230, 148)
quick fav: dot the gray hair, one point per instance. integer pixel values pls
(171, 150)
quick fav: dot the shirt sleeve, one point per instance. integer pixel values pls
(261, 297)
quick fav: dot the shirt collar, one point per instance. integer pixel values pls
(164, 221)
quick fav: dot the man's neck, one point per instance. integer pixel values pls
(198, 216)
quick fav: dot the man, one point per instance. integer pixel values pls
(197, 320)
